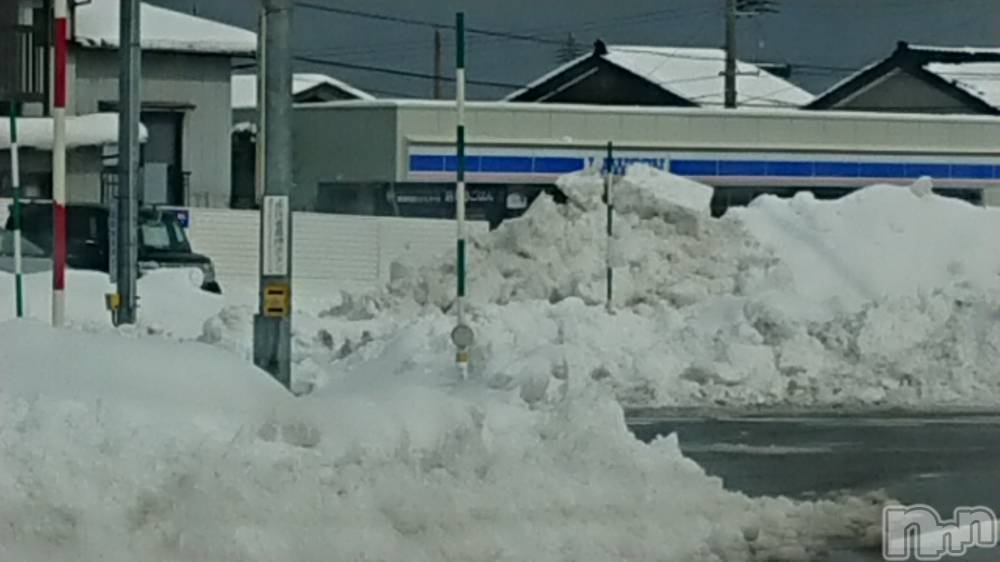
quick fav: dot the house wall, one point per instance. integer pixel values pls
(901, 91)
(201, 83)
(83, 173)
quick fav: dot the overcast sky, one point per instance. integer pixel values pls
(821, 33)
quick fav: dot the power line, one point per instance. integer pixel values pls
(426, 23)
(398, 72)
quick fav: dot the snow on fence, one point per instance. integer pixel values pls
(330, 252)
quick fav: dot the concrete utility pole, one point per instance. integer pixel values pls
(272, 325)
(730, 72)
(125, 207)
(438, 65)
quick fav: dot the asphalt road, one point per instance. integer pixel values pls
(943, 461)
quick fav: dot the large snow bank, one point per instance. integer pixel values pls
(120, 449)
(883, 298)
(882, 241)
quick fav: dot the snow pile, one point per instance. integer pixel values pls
(170, 301)
(879, 299)
(882, 241)
(666, 248)
(141, 450)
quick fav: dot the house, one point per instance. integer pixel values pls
(922, 79)
(88, 139)
(25, 48)
(658, 76)
(306, 89)
(186, 68)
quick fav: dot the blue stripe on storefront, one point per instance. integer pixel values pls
(507, 164)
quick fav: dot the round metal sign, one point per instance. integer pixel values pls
(462, 336)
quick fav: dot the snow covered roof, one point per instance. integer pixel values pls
(695, 74)
(161, 30)
(979, 79)
(95, 129)
(244, 93)
(974, 71)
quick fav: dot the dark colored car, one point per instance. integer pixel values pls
(162, 240)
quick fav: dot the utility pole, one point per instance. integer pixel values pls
(124, 309)
(272, 325)
(59, 96)
(730, 72)
(438, 65)
(736, 9)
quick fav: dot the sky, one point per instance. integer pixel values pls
(823, 39)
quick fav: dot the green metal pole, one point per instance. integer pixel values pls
(462, 336)
(15, 174)
(608, 170)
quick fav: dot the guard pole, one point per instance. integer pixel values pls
(272, 324)
(126, 197)
(608, 171)
(15, 175)
(59, 96)
(462, 335)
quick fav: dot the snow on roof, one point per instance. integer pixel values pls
(696, 74)
(244, 93)
(162, 30)
(979, 79)
(95, 129)
(960, 50)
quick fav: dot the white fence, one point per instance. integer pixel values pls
(330, 252)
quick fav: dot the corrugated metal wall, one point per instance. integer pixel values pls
(331, 252)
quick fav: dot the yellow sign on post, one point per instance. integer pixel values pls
(277, 300)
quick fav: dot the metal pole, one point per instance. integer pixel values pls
(272, 324)
(59, 96)
(15, 174)
(129, 99)
(462, 335)
(438, 65)
(730, 72)
(608, 170)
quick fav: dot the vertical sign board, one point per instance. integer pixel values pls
(113, 227)
(275, 252)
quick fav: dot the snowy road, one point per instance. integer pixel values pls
(937, 460)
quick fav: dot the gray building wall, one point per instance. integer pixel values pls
(83, 173)
(199, 82)
(901, 91)
(346, 147)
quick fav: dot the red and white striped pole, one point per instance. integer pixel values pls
(59, 166)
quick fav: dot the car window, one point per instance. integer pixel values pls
(161, 234)
(28, 249)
